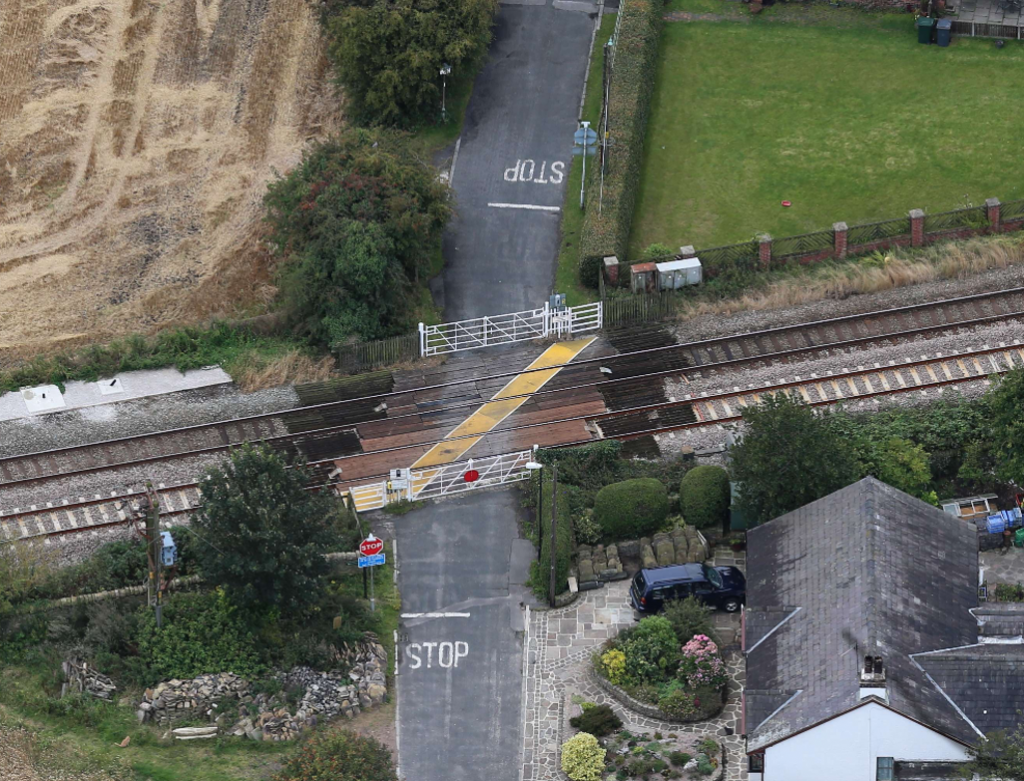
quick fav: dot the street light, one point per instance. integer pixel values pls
(534, 465)
(446, 70)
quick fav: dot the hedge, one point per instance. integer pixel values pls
(606, 232)
(704, 496)
(631, 508)
(563, 532)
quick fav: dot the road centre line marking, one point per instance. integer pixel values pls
(506, 401)
(435, 615)
(530, 206)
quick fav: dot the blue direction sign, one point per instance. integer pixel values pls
(371, 561)
(585, 136)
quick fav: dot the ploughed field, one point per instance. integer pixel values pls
(136, 141)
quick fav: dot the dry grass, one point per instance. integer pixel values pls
(873, 274)
(255, 372)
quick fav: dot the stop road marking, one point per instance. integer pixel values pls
(448, 654)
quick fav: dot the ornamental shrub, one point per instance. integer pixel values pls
(702, 664)
(583, 758)
(689, 617)
(678, 704)
(339, 756)
(631, 508)
(679, 758)
(598, 720)
(704, 496)
(650, 650)
(613, 665)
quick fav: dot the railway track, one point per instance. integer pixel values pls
(625, 419)
(291, 429)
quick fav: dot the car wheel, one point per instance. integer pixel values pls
(731, 605)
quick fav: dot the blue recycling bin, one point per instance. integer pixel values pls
(943, 31)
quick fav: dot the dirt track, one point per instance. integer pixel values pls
(136, 140)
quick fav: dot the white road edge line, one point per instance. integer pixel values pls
(530, 206)
(435, 615)
(455, 159)
(398, 722)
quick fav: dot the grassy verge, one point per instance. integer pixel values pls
(566, 274)
(728, 142)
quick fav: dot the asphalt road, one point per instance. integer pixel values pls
(460, 676)
(516, 148)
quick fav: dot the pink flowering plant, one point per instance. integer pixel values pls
(701, 663)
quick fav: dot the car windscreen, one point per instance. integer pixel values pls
(640, 583)
(713, 576)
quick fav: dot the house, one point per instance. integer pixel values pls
(868, 658)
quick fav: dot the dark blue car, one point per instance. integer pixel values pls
(724, 588)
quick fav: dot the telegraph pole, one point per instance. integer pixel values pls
(155, 546)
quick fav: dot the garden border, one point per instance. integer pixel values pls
(652, 711)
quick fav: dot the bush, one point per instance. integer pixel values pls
(583, 758)
(599, 720)
(707, 746)
(704, 766)
(689, 617)
(702, 664)
(339, 756)
(358, 220)
(387, 54)
(613, 665)
(678, 704)
(606, 231)
(201, 633)
(704, 496)
(631, 508)
(650, 650)
(679, 758)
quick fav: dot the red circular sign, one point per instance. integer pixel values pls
(471, 476)
(371, 546)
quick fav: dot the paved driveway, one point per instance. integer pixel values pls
(460, 672)
(515, 152)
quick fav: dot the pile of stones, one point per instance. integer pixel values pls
(261, 716)
(81, 679)
(601, 563)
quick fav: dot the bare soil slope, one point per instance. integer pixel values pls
(136, 141)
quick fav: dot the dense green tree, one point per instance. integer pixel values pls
(1000, 758)
(264, 534)
(904, 465)
(1006, 405)
(357, 221)
(788, 457)
(388, 53)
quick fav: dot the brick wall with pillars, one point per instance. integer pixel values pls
(839, 231)
(764, 250)
(916, 228)
(994, 221)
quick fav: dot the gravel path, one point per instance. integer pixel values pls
(139, 416)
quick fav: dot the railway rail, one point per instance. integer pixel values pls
(778, 345)
(627, 421)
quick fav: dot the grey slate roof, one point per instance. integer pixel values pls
(873, 571)
(985, 681)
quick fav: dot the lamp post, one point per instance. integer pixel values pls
(535, 466)
(446, 70)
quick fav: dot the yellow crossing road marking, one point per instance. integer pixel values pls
(533, 378)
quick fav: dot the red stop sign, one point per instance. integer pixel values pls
(371, 546)
(471, 476)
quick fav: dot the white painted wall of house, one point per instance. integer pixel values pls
(846, 748)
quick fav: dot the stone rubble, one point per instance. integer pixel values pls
(81, 678)
(359, 682)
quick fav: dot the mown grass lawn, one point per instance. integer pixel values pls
(842, 113)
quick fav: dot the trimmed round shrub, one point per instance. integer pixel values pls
(583, 758)
(704, 496)
(599, 720)
(651, 650)
(631, 508)
(339, 756)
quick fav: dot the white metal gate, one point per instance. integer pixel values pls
(433, 482)
(506, 329)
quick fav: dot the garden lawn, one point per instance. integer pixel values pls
(850, 122)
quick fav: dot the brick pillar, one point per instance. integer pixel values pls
(687, 252)
(611, 269)
(994, 220)
(839, 231)
(764, 250)
(916, 227)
